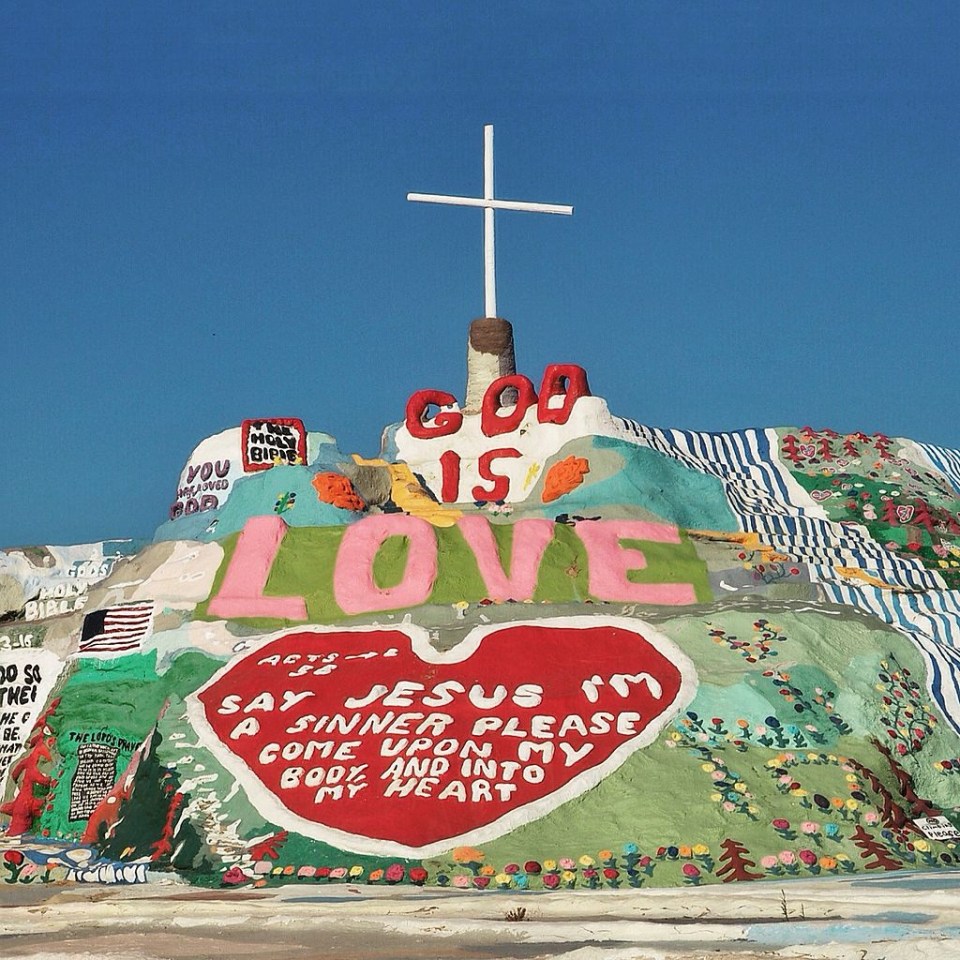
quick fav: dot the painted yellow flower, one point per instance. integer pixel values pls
(503, 879)
(851, 804)
(716, 797)
(700, 849)
(568, 876)
(921, 845)
(356, 871)
(707, 767)
(549, 864)
(586, 860)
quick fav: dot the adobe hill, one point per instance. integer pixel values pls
(532, 646)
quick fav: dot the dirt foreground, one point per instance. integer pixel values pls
(890, 917)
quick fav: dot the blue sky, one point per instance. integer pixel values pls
(205, 220)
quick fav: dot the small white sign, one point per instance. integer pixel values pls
(937, 828)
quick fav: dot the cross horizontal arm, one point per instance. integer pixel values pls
(492, 204)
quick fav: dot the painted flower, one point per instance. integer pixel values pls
(467, 855)
(768, 862)
(511, 868)
(230, 878)
(375, 875)
(338, 873)
(531, 866)
(356, 871)
(586, 860)
(487, 870)
(690, 871)
(481, 883)
(417, 875)
(828, 863)
(307, 871)
(780, 824)
(461, 880)
(502, 879)
(610, 874)
(13, 856)
(808, 857)
(551, 880)
(630, 849)
(810, 827)
(871, 817)
(567, 863)
(701, 850)
(685, 852)
(605, 854)
(787, 858)
(395, 873)
(549, 864)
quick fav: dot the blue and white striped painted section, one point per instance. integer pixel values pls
(766, 500)
(947, 461)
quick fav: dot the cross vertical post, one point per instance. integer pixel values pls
(490, 204)
(489, 241)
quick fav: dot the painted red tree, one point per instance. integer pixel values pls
(791, 449)
(734, 862)
(26, 805)
(883, 859)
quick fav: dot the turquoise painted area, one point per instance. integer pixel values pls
(656, 483)
(816, 932)
(258, 493)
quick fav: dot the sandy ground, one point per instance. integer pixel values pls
(889, 917)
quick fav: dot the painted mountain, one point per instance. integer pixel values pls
(532, 646)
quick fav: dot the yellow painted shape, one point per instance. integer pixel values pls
(749, 541)
(855, 573)
(410, 496)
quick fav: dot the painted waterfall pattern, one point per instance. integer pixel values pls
(531, 645)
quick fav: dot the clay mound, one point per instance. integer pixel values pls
(532, 646)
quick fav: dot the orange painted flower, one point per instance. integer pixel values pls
(467, 855)
(563, 477)
(337, 489)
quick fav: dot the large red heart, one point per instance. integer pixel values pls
(372, 741)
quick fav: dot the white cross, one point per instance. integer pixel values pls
(489, 204)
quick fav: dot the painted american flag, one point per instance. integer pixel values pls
(116, 629)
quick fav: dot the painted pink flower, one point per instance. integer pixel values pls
(768, 862)
(394, 873)
(780, 824)
(566, 863)
(338, 873)
(511, 868)
(481, 883)
(808, 857)
(810, 827)
(787, 858)
(690, 870)
(233, 876)
(461, 880)
(551, 880)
